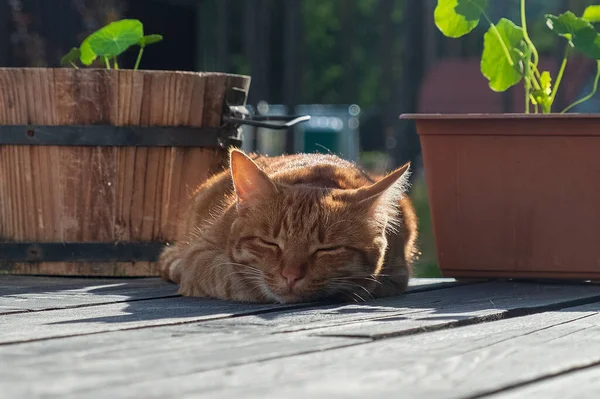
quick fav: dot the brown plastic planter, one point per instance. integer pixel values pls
(514, 195)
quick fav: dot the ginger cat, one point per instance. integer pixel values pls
(295, 228)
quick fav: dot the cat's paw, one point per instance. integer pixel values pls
(168, 264)
(391, 285)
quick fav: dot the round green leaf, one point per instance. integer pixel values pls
(116, 37)
(578, 31)
(456, 18)
(150, 39)
(72, 56)
(592, 14)
(87, 56)
(495, 63)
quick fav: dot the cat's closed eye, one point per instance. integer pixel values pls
(266, 243)
(330, 250)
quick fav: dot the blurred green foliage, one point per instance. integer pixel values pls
(341, 53)
(330, 60)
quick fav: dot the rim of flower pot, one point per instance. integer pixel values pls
(474, 116)
(126, 70)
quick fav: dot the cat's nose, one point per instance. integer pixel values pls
(292, 275)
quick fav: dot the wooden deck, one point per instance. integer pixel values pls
(136, 338)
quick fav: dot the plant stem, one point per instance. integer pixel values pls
(536, 76)
(584, 99)
(74, 66)
(535, 70)
(527, 78)
(116, 63)
(532, 48)
(527, 94)
(107, 62)
(559, 77)
(139, 58)
(530, 44)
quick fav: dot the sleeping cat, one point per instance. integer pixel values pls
(294, 228)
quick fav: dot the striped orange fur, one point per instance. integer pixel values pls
(295, 228)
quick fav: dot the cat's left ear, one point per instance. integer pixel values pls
(391, 187)
(249, 181)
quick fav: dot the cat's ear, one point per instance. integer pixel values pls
(390, 187)
(249, 181)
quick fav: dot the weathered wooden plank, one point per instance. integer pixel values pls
(109, 317)
(20, 293)
(55, 368)
(425, 284)
(416, 312)
(16, 283)
(512, 299)
(19, 327)
(396, 315)
(457, 363)
(582, 384)
(195, 360)
(29, 293)
(247, 327)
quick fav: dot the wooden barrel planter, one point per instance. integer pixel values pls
(97, 166)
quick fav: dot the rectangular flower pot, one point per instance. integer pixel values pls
(98, 166)
(514, 195)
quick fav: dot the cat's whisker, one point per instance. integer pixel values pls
(335, 290)
(238, 264)
(258, 286)
(352, 285)
(358, 278)
(242, 270)
(367, 291)
(364, 289)
(358, 296)
(243, 273)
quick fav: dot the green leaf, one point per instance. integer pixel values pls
(579, 32)
(456, 18)
(495, 63)
(87, 56)
(72, 56)
(116, 37)
(149, 39)
(592, 14)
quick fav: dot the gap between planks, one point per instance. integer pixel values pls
(506, 314)
(85, 305)
(556, 386)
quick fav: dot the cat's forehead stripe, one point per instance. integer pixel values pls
(302, 215)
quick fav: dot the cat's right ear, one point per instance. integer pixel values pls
(249, 181)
